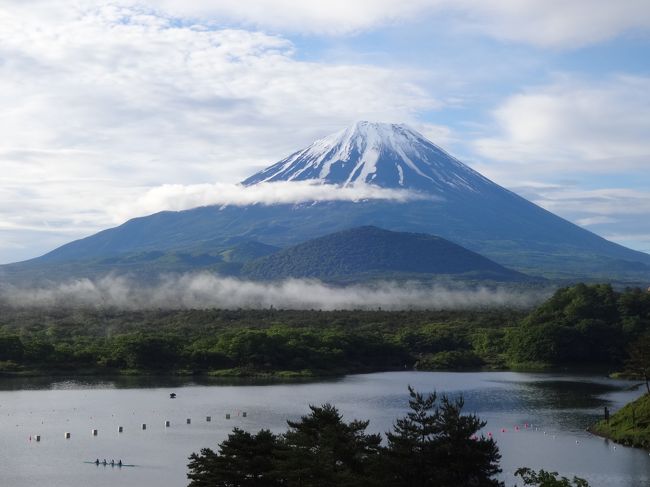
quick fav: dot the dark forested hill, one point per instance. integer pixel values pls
(370, 251)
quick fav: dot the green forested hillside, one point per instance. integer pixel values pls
(368, 251)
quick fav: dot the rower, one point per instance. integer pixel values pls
(97, 461)
(112, 462)
(119, 463)
(104, 462)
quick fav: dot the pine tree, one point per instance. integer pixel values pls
(437, 445)
(322, 450)
(244, 460)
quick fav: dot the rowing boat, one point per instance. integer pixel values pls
(108, 464)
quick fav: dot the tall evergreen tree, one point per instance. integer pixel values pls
(409, 451)
(323, 450)
(244, 460)
(437, 445)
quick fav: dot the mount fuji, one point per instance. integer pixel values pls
(451, 201)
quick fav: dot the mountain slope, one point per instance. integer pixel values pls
(371, 251)
(461, 206)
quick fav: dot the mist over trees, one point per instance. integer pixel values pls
(578, 325)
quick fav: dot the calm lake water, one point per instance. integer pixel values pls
(557, 406)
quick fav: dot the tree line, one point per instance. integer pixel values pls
(578, 325)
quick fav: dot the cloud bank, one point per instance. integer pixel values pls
(177, 197)
(204, 290)
(547, 23)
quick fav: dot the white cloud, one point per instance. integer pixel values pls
(550, 23)
(602, 126)
(101, 102)
(177, 197)
(546, 23)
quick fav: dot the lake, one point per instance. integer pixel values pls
(557, 408)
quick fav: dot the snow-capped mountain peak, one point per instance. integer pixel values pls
(383, 154)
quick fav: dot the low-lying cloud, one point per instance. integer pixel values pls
(182, 197)
(206, 290)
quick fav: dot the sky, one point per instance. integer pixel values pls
(112, 110)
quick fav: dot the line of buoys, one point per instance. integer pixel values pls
(120, 429)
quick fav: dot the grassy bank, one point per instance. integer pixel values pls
(629, 426)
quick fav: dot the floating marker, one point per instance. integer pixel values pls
(144, 426)
(208, 418)
(94, 432)
(38, 437)
(67, 436)
(244, 414)
(167, 424)
(120, 429)
(189, 421)
(228, 416)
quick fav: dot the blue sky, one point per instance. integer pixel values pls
(111, 110)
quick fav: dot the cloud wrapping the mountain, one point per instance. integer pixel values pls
(205, 290)
(178, 197)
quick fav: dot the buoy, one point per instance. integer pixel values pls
(228, 416)
(189, 421)
(38, 437)
(120, 429)
(67, 436)
(94, 432)
(244, 414)
(167, 424)
(503, 430)
(208, 418)
(144, 426)
(577, 442)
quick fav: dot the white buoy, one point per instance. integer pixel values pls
(67, 436)
(144, 426)
(120, 429)
(94, 432)
(208, 418)
(189, 421)
(167, 424)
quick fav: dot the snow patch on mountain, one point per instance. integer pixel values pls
(380, 154)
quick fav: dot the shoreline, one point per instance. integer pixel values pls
(629, 426)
